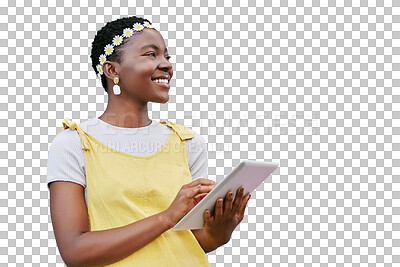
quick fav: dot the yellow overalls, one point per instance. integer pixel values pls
(123, 188)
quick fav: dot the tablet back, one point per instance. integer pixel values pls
(249, 174)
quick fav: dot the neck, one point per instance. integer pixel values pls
(126, 114)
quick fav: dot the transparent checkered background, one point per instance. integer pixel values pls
(314, 86)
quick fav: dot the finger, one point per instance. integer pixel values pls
(238, 200)
(218, 209)
(244, 204)
(205, 188)
(207, 217)
(204, 185)
(191, 192)
(201, 181)
(228, 203)
(199, 197)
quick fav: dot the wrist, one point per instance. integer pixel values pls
(165, 220)
(217, 240)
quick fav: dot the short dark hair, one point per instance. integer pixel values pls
(105, 36)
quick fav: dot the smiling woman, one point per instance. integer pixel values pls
(132, 63)
(117, 208)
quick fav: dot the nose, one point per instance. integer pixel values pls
(165, 65)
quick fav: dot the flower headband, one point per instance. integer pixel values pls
(117, 40)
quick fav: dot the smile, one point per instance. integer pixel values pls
(162, 82)
(165, 81)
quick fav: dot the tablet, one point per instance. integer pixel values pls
(249, 174)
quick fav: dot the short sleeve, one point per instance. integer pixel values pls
(66, 159)
(197, 155)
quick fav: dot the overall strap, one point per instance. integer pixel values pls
(73, 126)
(183, 132)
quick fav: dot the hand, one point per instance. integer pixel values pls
(188, 196)
(227, 216)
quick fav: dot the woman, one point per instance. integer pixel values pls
(110, 207)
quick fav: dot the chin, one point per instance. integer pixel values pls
(162, 100)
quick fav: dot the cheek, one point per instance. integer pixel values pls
(140, 71)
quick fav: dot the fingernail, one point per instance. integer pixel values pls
(241, 190)
(230, 195)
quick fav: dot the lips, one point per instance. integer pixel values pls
(161, 81)
(162, 77)
(162, 84)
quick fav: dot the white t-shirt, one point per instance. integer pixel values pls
(66, 161)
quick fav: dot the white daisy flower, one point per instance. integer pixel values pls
(147, 25)
(99, 76)
(99, 69)
(117, 40)
(108, 49)
(102, 59)
(128, 32)
(137, 27)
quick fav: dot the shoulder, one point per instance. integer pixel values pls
(67, 143)
(66, 158)
(197, 155)
(66, 138)
(197, 142)
(194, 146)
(197, 139)
(71, 136)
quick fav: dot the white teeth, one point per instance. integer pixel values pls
(161, 81)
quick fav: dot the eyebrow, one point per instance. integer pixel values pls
(153, 46)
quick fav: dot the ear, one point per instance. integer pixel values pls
(110, 69)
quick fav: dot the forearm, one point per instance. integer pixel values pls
(98, 248)
(207, 243)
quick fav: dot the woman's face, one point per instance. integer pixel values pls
(144, 61)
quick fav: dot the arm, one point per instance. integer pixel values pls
(78, 246)
(219, 227)
(197, 155)
(216, 233)
(204, 241)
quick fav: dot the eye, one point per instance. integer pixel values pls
(168, 57)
